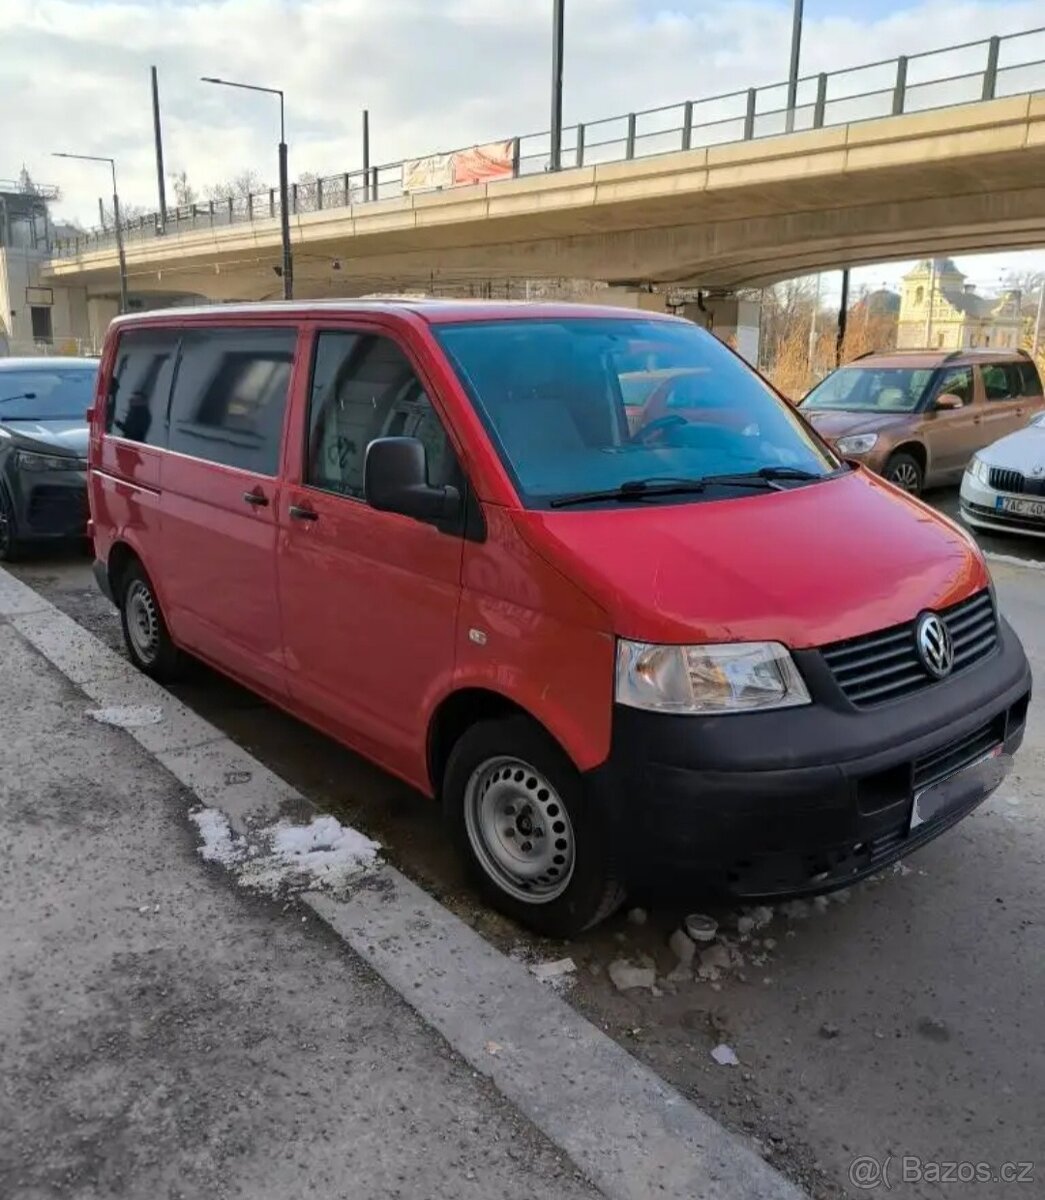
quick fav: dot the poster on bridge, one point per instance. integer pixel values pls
(477, 164)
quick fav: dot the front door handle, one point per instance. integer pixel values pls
(303, 514)
(258, 499)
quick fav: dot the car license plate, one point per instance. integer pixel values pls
(983, 775)
(1023, 508)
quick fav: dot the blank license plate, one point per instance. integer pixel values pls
(1024, 508)
(981, 776)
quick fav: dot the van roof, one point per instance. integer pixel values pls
(434, 311)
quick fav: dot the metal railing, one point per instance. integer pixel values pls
(982, 70)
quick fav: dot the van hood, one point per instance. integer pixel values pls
(807, 566)
(833, 423)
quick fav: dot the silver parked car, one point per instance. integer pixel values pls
(1004, 485)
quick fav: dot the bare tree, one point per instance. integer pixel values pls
(239, 187)
(184, 193)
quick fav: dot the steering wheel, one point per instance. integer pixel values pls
(660, 424)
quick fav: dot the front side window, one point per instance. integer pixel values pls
(364, 387)
(140, 387)
(957, 382)
(870, 389)
(583, 404)
(47, 393)
(230, 395)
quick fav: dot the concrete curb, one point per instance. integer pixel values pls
(1010, 560)
(628, 1131)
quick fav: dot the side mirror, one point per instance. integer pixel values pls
(948, 400)
(395, 479)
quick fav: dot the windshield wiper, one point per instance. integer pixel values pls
(19, 396)
(641, 489)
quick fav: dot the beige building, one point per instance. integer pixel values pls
(940, 310)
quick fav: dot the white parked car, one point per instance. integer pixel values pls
(1004, 485)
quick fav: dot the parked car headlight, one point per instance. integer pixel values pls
(978, 469)
(27, 460)
(858, 443)
(735, 677)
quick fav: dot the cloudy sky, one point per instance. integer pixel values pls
(435, 74)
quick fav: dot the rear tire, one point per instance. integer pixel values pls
(905, 471)
(524, 826)
(144, 629)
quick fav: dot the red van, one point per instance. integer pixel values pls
(661, 637)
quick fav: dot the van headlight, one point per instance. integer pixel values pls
(978, 469)
(735, 677)
(857, 443)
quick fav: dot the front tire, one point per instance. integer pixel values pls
(521, 819)
(9, 548)
(906, 472)
(144, 629)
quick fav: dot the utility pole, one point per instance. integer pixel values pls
(792, 78)
(843, 317)
(558, 26)
(812, 323)
(366, 155)
(930, 300)
(1036, 339)
(159, 147)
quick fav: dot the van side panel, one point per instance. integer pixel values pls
(529, 633)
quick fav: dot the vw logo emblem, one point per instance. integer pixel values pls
(1037, 470)
(935, 648)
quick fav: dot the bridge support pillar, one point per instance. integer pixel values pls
(733, 320)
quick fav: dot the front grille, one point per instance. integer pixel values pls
(58, 509)
(885, 665)
(931, 768)
(1003, 480)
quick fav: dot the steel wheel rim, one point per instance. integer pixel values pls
(519, 830)
(905, 475)
(143, 622)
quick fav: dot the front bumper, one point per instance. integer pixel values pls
(978, 507)
(803, 800)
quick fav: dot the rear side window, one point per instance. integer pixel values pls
(140, 387)
(230, 395)
(363, 387)
(1001, 381)
(1029, 379)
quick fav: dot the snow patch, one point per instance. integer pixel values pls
(324, 854)
(128, 716)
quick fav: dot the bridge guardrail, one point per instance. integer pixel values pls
(981, 70)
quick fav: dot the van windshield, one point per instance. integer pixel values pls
(591, 405)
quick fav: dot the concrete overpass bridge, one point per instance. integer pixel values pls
(885, 161)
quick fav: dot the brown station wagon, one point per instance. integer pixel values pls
(918, 416)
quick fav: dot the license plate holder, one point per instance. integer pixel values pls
(1019, 507)
(937, 799)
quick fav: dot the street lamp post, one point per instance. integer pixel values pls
(792, 78)
(284, 189)
(115, 217)
(558, 19)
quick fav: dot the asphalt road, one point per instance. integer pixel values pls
(905, 1020)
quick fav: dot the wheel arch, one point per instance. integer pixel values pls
(459, 711)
